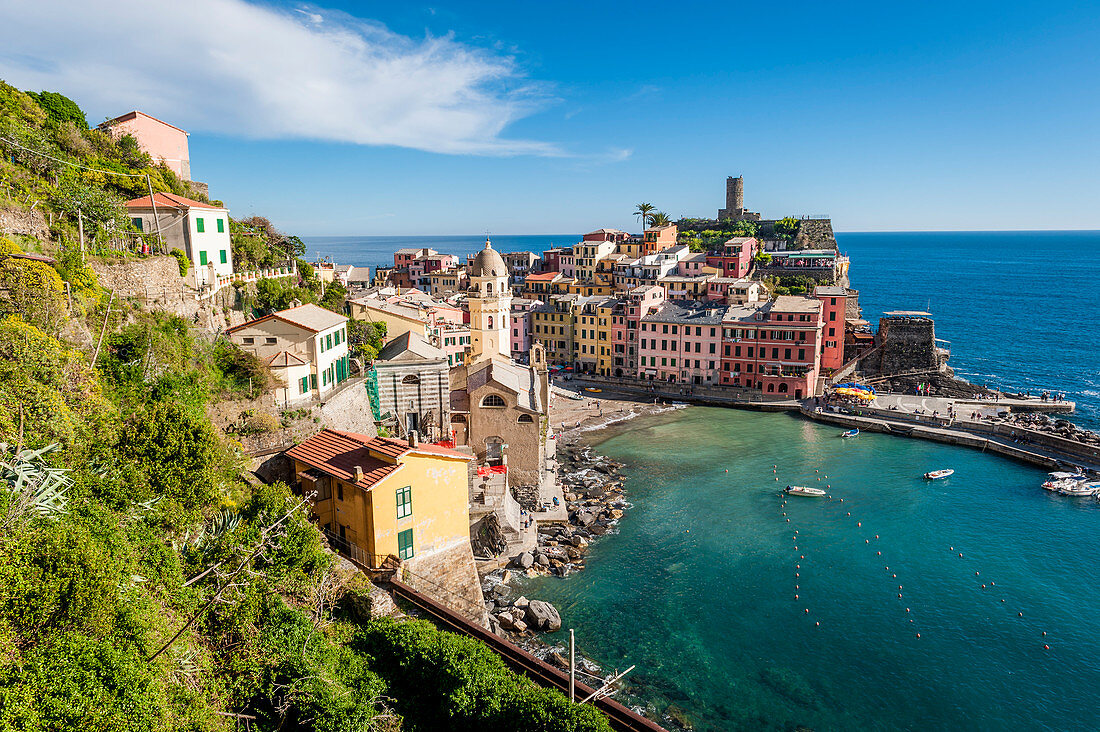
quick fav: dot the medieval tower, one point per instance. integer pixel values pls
(735, 201)
(490, 301)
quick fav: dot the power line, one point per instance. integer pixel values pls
(69, 162)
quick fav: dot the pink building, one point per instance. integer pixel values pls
(693, 265)
(625, 327)
(735, 257)
(158, 138)
(680, 342)
(405, 257)
(565, 263)
(521, 326)
(612, 235)
(833, 310)
(774, 347)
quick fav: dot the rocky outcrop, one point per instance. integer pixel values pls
(541, 615)
(367, 601)
(487, 538)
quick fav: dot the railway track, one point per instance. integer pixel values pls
(519, 660)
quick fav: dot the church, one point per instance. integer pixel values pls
(499, 408)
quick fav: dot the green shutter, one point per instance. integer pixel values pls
(305, 384)
(405, 544)
(200, 227)
(202, 256)
(404, 502)
(225, 260)
(328, 341)
(138, 224)
(221, 226)
(313, 381)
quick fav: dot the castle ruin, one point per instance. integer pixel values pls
(735, 202)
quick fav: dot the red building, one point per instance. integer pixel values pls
(735, 257)
(833, 309)
(773, 347)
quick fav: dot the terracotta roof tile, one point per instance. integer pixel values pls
(338, 453)
(169, 200)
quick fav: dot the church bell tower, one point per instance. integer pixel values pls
(490, 302)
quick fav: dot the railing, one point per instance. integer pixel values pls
(221, 281)
(373, 562)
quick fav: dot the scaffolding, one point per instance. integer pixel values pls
(372, 393)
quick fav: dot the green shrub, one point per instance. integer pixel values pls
(446, 681)
(184, 262)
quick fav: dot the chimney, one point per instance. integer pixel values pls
(357, 472)
(414, 438)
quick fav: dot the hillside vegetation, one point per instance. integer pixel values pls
(145, 584)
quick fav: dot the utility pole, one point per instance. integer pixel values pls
(156, 216)
(572, 667)
(80, 228)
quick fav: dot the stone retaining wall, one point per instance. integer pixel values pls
(449, 576)
(26, 223)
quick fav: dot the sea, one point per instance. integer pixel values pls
(894, 603)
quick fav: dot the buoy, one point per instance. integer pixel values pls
(876, 536)
(777, 477)
(788, 521)
(796, 548)
(991, 583)
(910, 620)
(1020, 614)
(796, 574)
(1044, 632)
(952, 548)
(906, 609)
(803, 556)
(918, 635)
(816, 470)
(899, 587)
(1002, 599)
(976, 574)
(960, 555)
(880, 554)
(799, 566)
(796, 597)
(888, 569)
(894, 576)
(983, 587)
(899, 595)
(859, 524)
(866, 541)
(849, 513)
(727, 470)
(1045, 646)
(842, 500)
(807, 609)
(819, 624)
(829, 486)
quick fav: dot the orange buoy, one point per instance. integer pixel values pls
(798, 566)
(899, 595)
(1045, 646)
(894, 576)
(796, 574)
(727, 470)
(796, 597)
(960, 555)
(876, 536)
(918, 635)
(807, 609)
(906, 609)
(803, 556)
(859, 524)
(880, 554)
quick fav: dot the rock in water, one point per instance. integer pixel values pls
(541, 615)
(521, 602)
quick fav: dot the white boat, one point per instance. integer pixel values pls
(1080, 488)
(850, 433)
(1059, 484)
(939, 474)
(802, 490)
(1067, 476)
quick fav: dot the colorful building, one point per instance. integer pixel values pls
(680, 342)
(164, 142)
(306, 347)
(833, 310)
(199, 230)
(773, 347)
(734, 291)
(734, 259)
(521, 326)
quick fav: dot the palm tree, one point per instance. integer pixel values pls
(659, 218)
(645, 211)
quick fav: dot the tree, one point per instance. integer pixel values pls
(659, 218)
(644, 211)
(787, 228)
(60, 108)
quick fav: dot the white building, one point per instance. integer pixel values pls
(199, 230)
(305, 346)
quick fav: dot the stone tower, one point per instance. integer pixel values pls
(735, 194)
(490, 301)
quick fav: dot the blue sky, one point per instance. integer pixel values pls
(398, 118)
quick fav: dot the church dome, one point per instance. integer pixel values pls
(488, 263)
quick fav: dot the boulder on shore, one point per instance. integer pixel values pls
(541, 615)
(524, 560)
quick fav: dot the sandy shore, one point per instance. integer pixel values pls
(596, 410)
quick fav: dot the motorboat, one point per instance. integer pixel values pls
(1067, 476)
(802, 490)
(1080, 488)
(850, 433)
(939, 474)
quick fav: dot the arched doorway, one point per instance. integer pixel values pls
(494, 450)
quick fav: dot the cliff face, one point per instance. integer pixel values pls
(815, 234)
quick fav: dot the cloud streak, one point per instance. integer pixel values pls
(241, 69)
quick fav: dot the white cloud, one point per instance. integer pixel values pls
(240, 69)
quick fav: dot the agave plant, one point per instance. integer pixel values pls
(32, 484)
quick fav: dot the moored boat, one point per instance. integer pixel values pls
(803, 490)
(939, 474)
(850, 433)
(1080, 488)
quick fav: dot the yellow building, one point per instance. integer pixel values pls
(379, 497)
(552, 324)
(604, 346)
(586, 339)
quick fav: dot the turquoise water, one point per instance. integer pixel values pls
(698, 588)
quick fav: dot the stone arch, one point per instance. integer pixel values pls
(525, 419)
(411, 379)
(493, 400)
(771, 387)
(783, 388)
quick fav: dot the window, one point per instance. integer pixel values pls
(137, 224)
(328, 341)
(224, 258)
(305, 384)
(200, 227)
(271, 341)
(525, 419)
(801, 354)
(249, 341)
(411, 379)
(313, 381)
(202, 256)
(339, 491)
(492, 400)
(405, 544)
(404, 502)
(221, 227)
